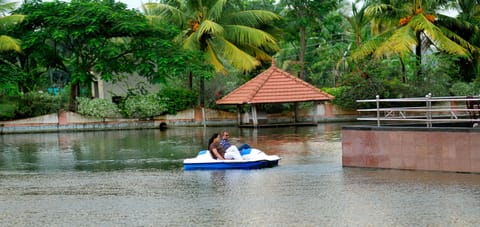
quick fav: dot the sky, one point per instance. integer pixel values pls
(137, 4)
(134, 4)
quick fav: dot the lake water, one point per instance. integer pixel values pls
(135, 178)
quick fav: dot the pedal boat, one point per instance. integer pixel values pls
(252, 159)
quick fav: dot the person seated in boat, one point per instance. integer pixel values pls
(217, 150)
(214, 146)
(230, 150)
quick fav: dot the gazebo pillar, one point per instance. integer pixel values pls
(254, 116)
(295, 112)
(239, 116)
(316, 105)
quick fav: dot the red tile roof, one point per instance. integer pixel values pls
(274, 86)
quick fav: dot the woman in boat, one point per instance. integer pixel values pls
(214, 146)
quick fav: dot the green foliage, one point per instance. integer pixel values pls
(335, 91)
(88, 38)
(228, 36)
(7, 111)
(221, 85)
(439, 72)
(100, 108)
(34, 104)
(356, 88)
(144, 106)
(177, 99)
(463, 89)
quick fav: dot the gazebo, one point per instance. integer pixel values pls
(273, 86)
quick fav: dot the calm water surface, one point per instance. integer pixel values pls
(135, 178)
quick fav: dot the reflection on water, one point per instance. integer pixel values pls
(144, 149)
(135, 178)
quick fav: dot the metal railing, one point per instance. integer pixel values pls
(459, 109)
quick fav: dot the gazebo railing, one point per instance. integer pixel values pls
(460, 109)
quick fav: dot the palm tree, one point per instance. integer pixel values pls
(227, 36)
(416, 30)
(8, 43)
(359, 20)
(303, 16)
(467, 26)
(469, 10)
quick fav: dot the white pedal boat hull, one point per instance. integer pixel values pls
(252, 159)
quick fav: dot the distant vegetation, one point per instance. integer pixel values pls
(53, 51)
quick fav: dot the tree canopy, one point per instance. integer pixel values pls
(88, 38)
(228, 36)
(391, 48)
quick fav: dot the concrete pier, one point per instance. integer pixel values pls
(412, 148)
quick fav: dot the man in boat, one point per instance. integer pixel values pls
(232, 150)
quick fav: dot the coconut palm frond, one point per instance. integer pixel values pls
(8, 22)
(377, 10)
(438, 37)
(155, 20)
(259, 54)
(6, 7)
(476, 11)
(238, 58)
(189, 43)
(402, 41)
(451, 22)
(211, 28)
(213, 59)
(253, 18)
(459, 40)
(370, 46)
(243, 35)
(8, 43)
(165, 12)
(12, 19)
(467, 6)
(216, 10)
(367, 49)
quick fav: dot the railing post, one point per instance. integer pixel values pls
(378, 110)
(429, 110)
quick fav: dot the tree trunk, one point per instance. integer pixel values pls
(303, 49)
(404, 78)
(359, 39)
(202, 91)
(418, 53)
(73, 96)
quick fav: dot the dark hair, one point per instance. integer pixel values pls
(210, 141)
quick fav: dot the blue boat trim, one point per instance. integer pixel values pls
(231, 165)
(245, 151)
(202, 152)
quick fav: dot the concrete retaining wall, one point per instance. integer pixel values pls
(436, 149)
(69, 121)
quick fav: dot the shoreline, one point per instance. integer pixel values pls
(69, 121)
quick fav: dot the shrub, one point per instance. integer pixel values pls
(144, 106)
(100, 108)
(34, 104)
(463, 89)
(335, 91)
(7, 111)
(178, 99)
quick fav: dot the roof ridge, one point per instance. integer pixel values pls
(303, 82)
(260, 76)
(274, 85)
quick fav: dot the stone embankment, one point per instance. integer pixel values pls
(70, 121)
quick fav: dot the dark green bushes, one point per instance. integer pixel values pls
(178, 99)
